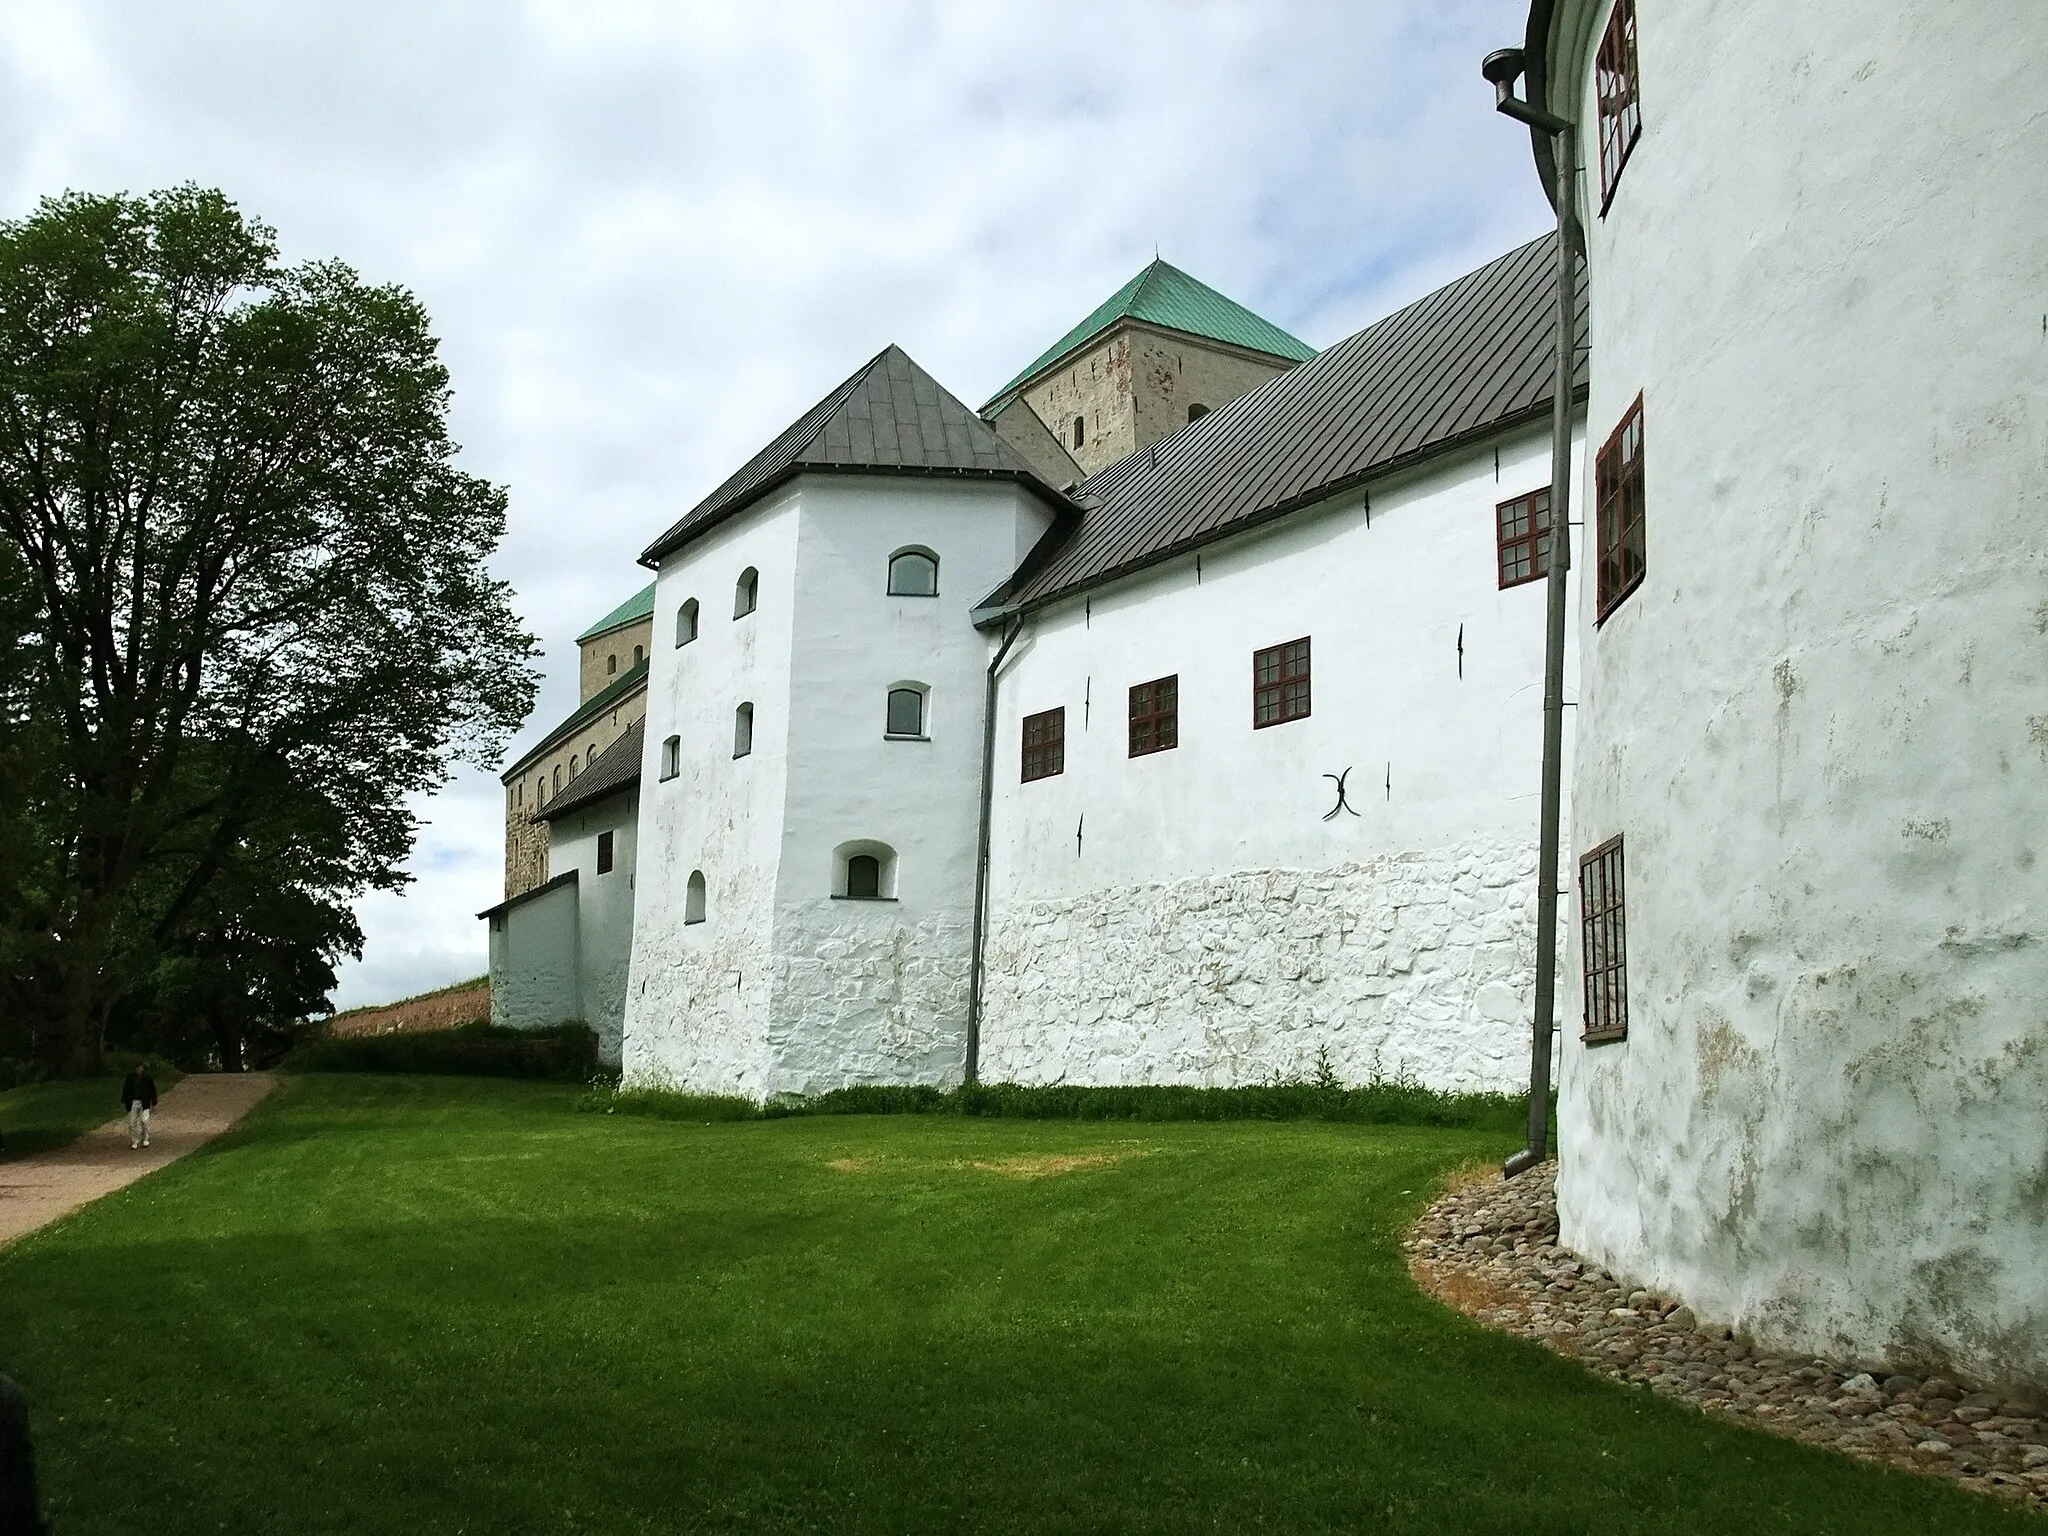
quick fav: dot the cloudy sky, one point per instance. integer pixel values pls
(651, 234)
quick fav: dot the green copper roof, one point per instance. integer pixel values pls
(1165, 296)
(639, 606)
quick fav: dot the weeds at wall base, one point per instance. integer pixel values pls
(1380, 1103)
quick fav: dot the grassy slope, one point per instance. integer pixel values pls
(432, 1305)
(40, 1116)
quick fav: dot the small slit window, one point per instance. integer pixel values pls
(1280, 684)
(743, 730)
(746, 593)
(1621, 99)
(914, 573)
(686, 622)
(639, 654)
(1045, 744)
(906, 711)
(1196, 412)
(864, 871)
(672, 757)
(693, 898)
(1080, 430)
(1603, 943)
(611, 665)
(1155, 716)
(604, 853)
(1618, 486)
(863, 878)
(1523, 529)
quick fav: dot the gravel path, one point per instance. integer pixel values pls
(1489, 1248)
(38, 1190)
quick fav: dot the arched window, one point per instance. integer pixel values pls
(686, 622)
(558, 778)
(1197, 412)
(1080, 431)
(693, 898)
(591, 755)
(639, 654)
(906, 710)
(864, 871)
(746, 593)
(914, 573)
(672, 757)
(574, 766)
(743, 730)
(611, 665)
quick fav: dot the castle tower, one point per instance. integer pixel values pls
(1159, 352)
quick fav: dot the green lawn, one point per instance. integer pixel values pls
(419, 1304)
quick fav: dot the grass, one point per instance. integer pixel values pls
(428, 1304)
(39, 1117)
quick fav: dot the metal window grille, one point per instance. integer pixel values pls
(604, 853)
(1155, 716)
(1621, 99)
(1045, 744)
(1280, 684)
(1618, 483)
(1523, 527)
(1603, 948)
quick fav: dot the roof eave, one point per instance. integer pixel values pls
(567, 877)
(555, 808)
(592, 707)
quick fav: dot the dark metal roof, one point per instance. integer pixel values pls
(614, 769)
(566, 877)
(1472, 358)
(614, 693)
(891, 417)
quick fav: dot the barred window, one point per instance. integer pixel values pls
(1280, 684)
(1618, 484)
(1603, 948)
(1621, 97)
(1523, 527)
(1045, 744)
(1155, 715)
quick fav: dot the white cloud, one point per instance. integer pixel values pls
(651, 234)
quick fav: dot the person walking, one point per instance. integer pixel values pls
(138, 1097)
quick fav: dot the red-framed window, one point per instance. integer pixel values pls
(1621, 96)
(1603, 943)
(1045, 744)
(1155, 715)
(1523, 528)
(1618, 487)
(1280, 684)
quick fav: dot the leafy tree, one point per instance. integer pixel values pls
(244, 613)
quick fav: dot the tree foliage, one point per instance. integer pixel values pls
(244, 610)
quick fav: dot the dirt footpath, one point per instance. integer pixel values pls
(38, 1190)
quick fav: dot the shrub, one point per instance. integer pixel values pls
(475, 1050)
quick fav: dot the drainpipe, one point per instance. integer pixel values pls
(1013, 625)
(1502, 68)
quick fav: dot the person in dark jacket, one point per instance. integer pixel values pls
(138, 1097)
(21, 1512)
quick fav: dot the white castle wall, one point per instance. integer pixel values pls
(1191, 916)
(698, 998)
(1820, 723)
(604, 916)
(790, 987)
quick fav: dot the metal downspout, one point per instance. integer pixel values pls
(1502, 68)
(1011, 630)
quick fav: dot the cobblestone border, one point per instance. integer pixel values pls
(1489, 1248)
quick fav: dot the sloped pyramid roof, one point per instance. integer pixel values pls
(1167, 297)
(891, 417)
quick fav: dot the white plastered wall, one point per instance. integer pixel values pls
(1191, 915)
(533, 959)
(1820, 723)
(697, 1000)
(604, 918)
